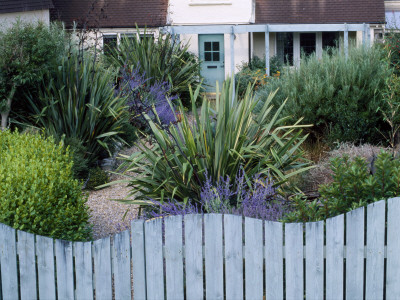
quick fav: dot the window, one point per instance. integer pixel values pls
(307, 43)
(284, 47)
(146, 37)
(330, 40)
(211, 51)
(110, 42)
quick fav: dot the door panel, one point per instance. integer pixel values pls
(211, 52)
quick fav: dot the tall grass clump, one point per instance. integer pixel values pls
(340, 97)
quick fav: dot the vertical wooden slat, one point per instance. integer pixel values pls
(193, 257)
(8, 262)
(393, 249)
(102, 268)
(294, 261)
(254, 258)
(315, 260)
(355, 254)
(65, 275)
(45, 265)
(138, 260)
(233, 256)
(375, 250)
(27, 265)
(334, 257)
(121, 260)
(83, 270)
(174, 257)
(213, 256)
(154, 259)
(273, 260)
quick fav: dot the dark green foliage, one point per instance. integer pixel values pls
(37, 192)
(392, 49)
(340, 97)
(162, 59)
(254, 73)
(97, 177)
(353, 186)
(128, 133)
(80, 168)
(79, 101)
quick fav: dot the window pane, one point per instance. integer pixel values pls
(216, 46)
(207, 56)
(285, 47)
(330, 40)
(207, 46)
(307, 43)
(146, 37)
(216, 56)
(109, 43)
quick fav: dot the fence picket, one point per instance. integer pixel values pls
(27, 265)
(65, 272)
(393, 248)
(375, 250)
(83, 270)
(154, 259)
(233, 256)
(102, 268)
(138, 260)
(355, 254)
(334, 257)
(294, 260)
(193, 256)
(45, 265)
(174, 257)
(8, 262)
(273, 260)
(254, 258)
(315, 260)
(213, 256)
(121, 261)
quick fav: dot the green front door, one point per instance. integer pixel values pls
(211, 51)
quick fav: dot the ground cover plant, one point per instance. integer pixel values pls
(161, 59)
(173, 163)
(37, 192)
(340, 97)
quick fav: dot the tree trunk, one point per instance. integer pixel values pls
(4, 114)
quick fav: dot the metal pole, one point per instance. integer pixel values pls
(267, 67)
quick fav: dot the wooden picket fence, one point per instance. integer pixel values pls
(356, 256)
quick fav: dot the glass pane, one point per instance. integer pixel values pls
(285, 47)
(207, 46)
(207, 56)
(215, 46)
(216, 56)
(307, 43)
(110, 42)
(330, 40)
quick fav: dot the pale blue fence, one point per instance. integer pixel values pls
(213, 257)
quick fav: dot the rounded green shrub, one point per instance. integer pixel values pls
(38, 193)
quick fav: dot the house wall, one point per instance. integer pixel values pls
(192, 12)
(6, 20)
(259, 44)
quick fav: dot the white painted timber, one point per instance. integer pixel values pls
(315, 260)
(65, 272)
(27, 265)
(45, 265)
(138, 260)
(121, 262)
(294, 260)
(355, 254)
(174, 257)
(375, 250)
(273, 260)
(233, 256)
(8, 263)
(213, 256)
(102, 268)
(254, 258)
(194, 256)
(393, 248)
(154, 259)
(334, 257)
(83, 270)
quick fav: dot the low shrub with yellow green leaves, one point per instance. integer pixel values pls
(37, 192)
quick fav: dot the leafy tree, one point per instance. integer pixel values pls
(27, 50)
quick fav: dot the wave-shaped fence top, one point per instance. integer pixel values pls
(213, 256)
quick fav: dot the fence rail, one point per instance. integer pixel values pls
(214, 257)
